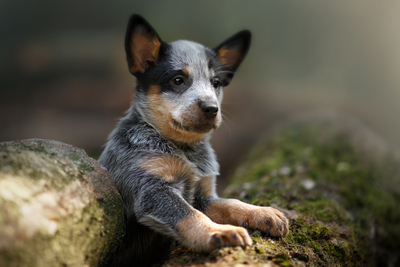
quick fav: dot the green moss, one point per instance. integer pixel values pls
(350, 189)
(325, 210)
(283, 259)
(113, 224)
(302, 256)
(259, 250)
(78, 160)
(325, 242)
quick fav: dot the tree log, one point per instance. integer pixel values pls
(58, 207)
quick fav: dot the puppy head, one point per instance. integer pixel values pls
(179, 85)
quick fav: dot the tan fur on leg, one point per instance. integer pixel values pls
(200, 233)
(235, 212)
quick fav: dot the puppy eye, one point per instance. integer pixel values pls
(216, 83)
(178, 81)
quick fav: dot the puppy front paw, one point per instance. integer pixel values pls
(228, 236)
(269, 221)
(202, 234)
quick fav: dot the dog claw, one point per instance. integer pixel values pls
(216, 238)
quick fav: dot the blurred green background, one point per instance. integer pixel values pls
(63, 74)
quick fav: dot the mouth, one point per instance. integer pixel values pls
(180, 126)
(199, 128)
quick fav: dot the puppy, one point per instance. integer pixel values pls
(160, 157)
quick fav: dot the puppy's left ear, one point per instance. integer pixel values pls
(232, 52)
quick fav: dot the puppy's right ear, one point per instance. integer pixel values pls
(142, 45)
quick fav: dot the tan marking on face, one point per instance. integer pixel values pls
(145, 49)
(235, 212)
(199, 232)
(195, 121)
(207, 184)
(186, 71)
(167, 167)
(160, 109)
(230, 57)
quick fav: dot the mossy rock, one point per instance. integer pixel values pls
(337, 183)
(58, 207)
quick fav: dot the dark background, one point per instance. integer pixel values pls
(63, 73)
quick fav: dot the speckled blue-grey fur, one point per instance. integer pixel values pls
(153, 206)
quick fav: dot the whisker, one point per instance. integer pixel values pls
(227, 103)
(228, 120)
(219, 67)
(227, 126)
(225, 111)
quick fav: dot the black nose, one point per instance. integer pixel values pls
(209, 109)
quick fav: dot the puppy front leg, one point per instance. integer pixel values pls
(199, 232)
(232, 211)
(162, 208)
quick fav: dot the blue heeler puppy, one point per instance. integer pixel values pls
(160, 156)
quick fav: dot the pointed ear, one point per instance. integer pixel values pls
(232, 51)
(142, 45)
